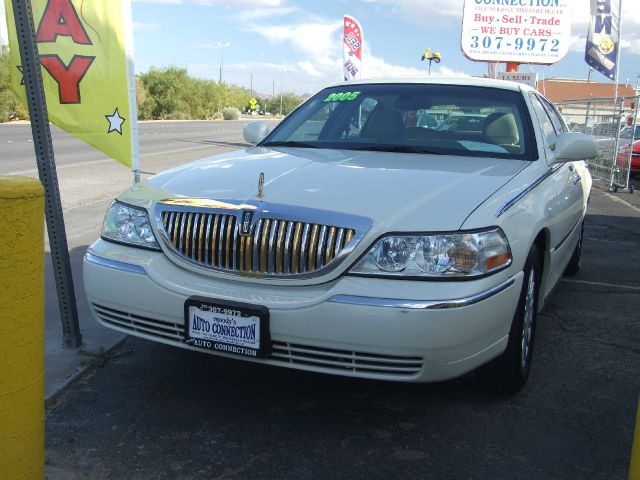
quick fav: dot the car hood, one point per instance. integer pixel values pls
(397, 191)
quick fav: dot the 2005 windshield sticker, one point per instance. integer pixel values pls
(342, 97)
(521, 31)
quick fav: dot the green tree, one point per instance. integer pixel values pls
(289, 102)
(165, 91)
(171, 93)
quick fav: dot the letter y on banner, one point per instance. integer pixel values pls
(85, 48)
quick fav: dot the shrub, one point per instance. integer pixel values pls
(231, 113)
(177, 116)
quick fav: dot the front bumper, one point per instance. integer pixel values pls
(361, 327)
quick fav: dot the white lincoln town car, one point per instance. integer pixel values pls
(393, 229)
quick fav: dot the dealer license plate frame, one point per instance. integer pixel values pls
(246, 310)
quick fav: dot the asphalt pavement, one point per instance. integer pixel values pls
(150, 411)
(124, 408)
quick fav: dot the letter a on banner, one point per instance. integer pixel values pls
(352, 42)
(85, 49)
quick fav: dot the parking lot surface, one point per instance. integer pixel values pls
(149, 411)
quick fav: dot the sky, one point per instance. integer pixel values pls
(296, 45)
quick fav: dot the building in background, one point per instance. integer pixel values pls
(589, 104)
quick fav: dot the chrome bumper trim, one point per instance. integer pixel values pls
(127, 267)
(421, 304)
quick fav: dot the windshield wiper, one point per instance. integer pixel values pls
(396, 148)
(288, 143)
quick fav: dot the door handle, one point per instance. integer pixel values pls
(575, 178)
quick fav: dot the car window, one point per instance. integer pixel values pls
(548, 129)
(626, 132)
(412, 118)
(359, 117)
(312, 126)
(556, 118)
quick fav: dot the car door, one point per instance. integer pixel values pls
(571, 185)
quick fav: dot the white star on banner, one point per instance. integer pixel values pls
(115, 122)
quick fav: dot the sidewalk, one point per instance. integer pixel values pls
(63, 365)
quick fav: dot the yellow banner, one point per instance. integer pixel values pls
(85, 51)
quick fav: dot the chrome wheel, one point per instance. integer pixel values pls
(527, 321)
(509, 372)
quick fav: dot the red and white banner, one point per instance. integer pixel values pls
(352, 41)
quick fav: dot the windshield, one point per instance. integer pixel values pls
(411, 118)
(626, 132)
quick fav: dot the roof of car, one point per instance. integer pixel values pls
(435, 79)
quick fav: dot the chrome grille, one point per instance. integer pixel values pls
(274, 247)
(138, 324)
(346, 360)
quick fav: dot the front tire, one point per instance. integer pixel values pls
(509, 372)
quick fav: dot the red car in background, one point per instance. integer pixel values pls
(623, 156)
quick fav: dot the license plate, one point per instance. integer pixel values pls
(229, 327)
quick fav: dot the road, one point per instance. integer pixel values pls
(88, 182)
(82, 169)
(149, 411)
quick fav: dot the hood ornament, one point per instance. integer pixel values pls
(261, 185)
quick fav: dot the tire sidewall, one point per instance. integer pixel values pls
(523, 369)
(510, 373)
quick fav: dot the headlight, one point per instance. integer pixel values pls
(130, 225)
(463, 254)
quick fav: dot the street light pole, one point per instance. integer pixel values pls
(281, 76)
(222, 46)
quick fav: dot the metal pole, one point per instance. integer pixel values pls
(281, 75)
(586, 117)
(47, 171)
(618, 46)
(614, 167)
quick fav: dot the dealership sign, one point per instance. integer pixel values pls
(528, 78)
(519, 31)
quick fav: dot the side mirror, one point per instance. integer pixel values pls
(573, 146)
(255, 132)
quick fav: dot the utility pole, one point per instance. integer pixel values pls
(586, 117)
(222, 46)
(251, 84)
(281, 76)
